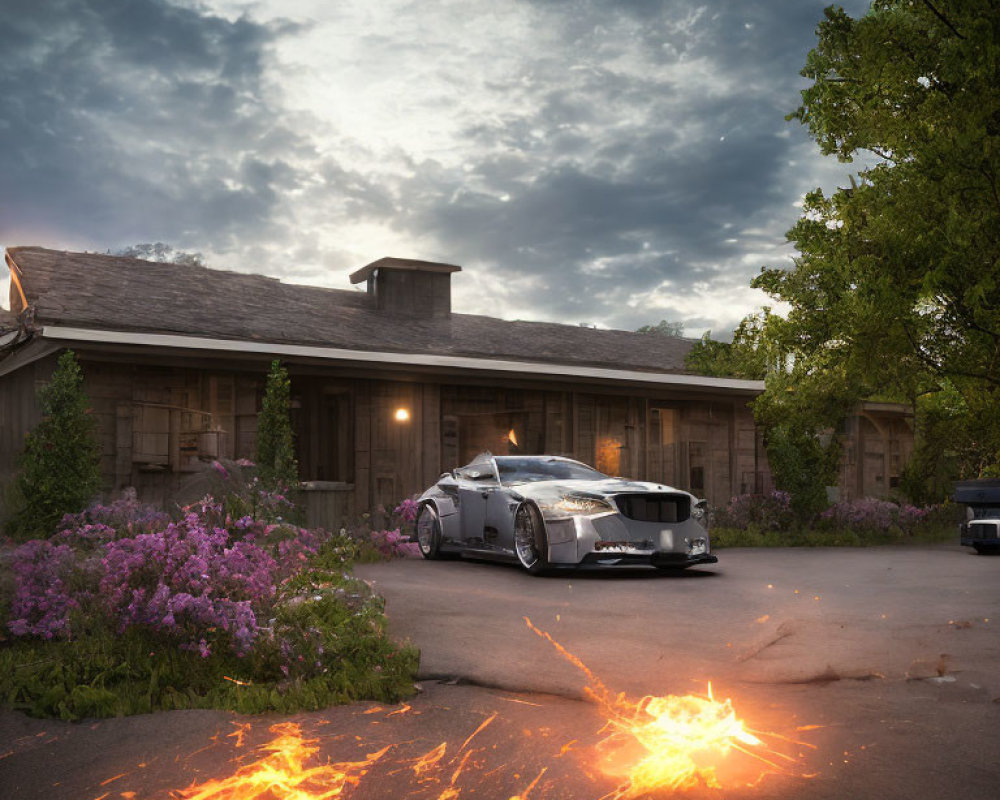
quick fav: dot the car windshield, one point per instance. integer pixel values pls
(524, 470)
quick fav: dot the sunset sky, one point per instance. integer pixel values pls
(612, 163)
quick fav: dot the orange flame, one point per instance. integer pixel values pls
(283, 773)
(671, 742)
(511, 437)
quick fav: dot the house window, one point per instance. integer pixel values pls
(321, 417)
(151, 434)
(182, 419)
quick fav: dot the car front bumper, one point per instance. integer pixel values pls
(612, 539)
(659, 560)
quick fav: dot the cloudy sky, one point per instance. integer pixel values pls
(612, 162)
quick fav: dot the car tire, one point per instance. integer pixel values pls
(531, 545)
(429, 532)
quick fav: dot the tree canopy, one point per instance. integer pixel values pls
(896, 288)
(663, 328)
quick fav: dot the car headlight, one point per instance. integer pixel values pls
(581, 504)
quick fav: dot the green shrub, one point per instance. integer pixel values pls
(59, 468)
(275, 443)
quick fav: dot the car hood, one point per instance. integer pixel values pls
(552, 491)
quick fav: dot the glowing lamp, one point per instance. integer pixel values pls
(402, 415)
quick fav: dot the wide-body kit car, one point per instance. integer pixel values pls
(549, 511)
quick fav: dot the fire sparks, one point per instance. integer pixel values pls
(641, 747)
(282, 772)
(671, 742)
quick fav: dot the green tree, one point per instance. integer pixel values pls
(275, 442)
(59, 469)
(663, 328)
(896, 288)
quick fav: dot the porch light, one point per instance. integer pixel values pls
(402, 415)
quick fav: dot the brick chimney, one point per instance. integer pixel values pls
(406, 287)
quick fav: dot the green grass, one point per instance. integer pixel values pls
(828, 537)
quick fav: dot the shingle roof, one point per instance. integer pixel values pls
(91, 290)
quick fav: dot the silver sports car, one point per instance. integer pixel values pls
(548, 511)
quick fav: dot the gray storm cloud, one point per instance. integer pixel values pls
(607, 163)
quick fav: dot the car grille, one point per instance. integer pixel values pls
(654, 507)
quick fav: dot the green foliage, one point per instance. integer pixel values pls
(749, 355)
(896, 291)
(59, 468)
(663, 328)
(940, 527)
(275, 444)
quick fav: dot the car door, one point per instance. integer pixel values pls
(473, 496)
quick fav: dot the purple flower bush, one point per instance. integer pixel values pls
(186, 580)
(398, 542)
(43, 599)
(868, 515)
(768, 512)
(227, 605)
(194, 582)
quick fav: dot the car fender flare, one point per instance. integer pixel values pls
(449, 522)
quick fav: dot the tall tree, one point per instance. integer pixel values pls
(59, 468)
(896, 289)
(275, 442)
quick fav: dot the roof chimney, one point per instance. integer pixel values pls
(405, 287)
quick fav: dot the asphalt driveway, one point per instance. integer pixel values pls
(882, 663)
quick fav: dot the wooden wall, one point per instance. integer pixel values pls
(160, 425)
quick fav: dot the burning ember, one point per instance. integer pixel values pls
(671, 742)
(283, 773)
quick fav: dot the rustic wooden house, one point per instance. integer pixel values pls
(389, 386)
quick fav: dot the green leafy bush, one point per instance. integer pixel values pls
(59, 468)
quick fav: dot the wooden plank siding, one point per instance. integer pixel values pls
(159, 424)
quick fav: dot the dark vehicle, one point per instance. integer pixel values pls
(549, 511)
(982, 498)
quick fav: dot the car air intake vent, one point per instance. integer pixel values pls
(655, 507)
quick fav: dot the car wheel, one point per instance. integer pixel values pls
(428, 532)
(530, 542)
